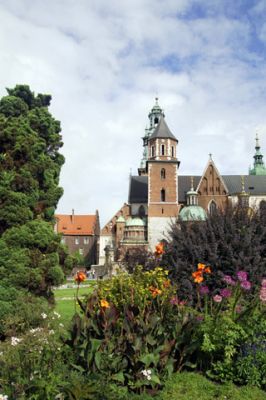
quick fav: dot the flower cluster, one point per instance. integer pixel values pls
(263, 291)
(80, 277)
(242, 278)
(3, 397)
(147, 374)
(198, 275)
(15, 341)
(154, 291)
(159, 249)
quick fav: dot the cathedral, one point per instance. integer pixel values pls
(158, 195)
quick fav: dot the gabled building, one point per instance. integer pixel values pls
(158, 195)
(80, 233)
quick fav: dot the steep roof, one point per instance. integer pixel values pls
(138, 189)
(76, 224)
(254, 184)
(162, 131)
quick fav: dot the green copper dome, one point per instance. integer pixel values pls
(192, 213)
(258, 166)
(135, 222)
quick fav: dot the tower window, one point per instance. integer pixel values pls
(162, 195)
(212, 207)
(152, 151)
(162, 173)
(173, 151)
(156, 120)
(162, 150)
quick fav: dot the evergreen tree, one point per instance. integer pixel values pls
(228, 241)
(30, 163)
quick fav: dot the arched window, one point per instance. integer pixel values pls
(212, 207)
(162, 173)
(156, 120)
(162, 195)
(173, 151)
(162, 150)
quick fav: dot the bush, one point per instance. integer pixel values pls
(134, 330)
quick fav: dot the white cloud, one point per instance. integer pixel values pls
(104, 62)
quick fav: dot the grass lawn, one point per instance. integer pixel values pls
(193, 386)
(65, 301)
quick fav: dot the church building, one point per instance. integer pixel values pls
(158, 195)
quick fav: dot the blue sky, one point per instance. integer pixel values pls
(103, 62)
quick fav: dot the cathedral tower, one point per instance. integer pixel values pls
(162, 168)
(259, 166)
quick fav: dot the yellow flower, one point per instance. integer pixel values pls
(105, 304)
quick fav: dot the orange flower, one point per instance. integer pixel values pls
(201, 267)
(208, 270)
(166, 283)
(198, 279)
(159, 249)
(197, 275)
(104, 304)
(154, 291)
(80, 277)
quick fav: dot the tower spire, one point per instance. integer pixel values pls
(258, 165)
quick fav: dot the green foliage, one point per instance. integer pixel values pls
(229, 241)
(131, 329)
(31, 255)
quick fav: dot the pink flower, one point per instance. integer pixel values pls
(217, 298)
(174, 301)
(263, 283)
(226, 293)
(245, 285)
(204, 290)
(238, 308)
(242, 276)
(229, 280)
(263, 294)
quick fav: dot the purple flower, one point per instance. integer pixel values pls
(242, 276)
(204, 290)
(229, 280)
(245, 285)
(217, 298)
(200, 318)
(226, 293)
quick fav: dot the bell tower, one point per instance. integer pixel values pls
(154, 118)
(162, 168)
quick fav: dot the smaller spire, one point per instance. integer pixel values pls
(192, 182)
(210, 156)
(258, 166)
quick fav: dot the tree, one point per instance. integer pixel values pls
(30, 164)
(228, 241)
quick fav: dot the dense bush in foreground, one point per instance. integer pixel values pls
(136, 331)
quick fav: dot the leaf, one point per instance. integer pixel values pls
(119, 377)
(149, 359)
(155, 379)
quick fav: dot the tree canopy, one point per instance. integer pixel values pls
(30, 164)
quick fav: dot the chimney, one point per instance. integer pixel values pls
(72, 216)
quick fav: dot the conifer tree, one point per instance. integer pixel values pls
(30, 165)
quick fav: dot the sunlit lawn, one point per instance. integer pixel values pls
(65, 301)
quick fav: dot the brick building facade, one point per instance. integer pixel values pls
(80, 233)
(158, 193)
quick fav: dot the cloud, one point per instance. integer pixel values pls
(104, 62)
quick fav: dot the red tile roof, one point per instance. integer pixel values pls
(76, 224)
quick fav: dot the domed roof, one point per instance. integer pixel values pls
(135, 222)
(192, 213)
(121, 219)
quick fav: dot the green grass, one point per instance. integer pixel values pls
(65, 301)
(192, 386)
